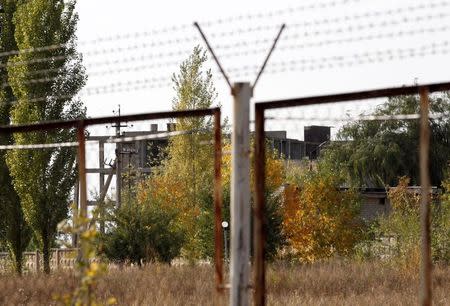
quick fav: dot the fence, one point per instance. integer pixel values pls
(61, 259)
(83, 131)
(262, 121)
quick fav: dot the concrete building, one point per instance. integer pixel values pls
(315, 137)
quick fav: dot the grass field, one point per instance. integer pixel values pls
(334, 283)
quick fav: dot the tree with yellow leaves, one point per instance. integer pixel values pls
(275, 174)
(320, 219)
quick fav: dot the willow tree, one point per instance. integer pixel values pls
(377, 153)
(14, 231)
(43, 178)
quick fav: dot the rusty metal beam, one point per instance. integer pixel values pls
(259, 225)
(50, 125)
(425, 258)
(82, 212)
(353, 96)
(218, 235)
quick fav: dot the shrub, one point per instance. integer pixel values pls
(143, 232)
(403, 225)
(275, 239)
(320, 220)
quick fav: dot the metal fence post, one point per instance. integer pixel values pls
(425, 262)
(82, 181)
(240, 196)
(218, 240)
(259, 233)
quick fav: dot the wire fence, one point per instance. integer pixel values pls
(144, 60)
(366, 143)
(109, 159)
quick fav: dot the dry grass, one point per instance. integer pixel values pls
(319, 284)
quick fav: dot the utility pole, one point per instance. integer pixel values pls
(118, 125)
(129, 152)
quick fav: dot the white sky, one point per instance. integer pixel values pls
(107, 18)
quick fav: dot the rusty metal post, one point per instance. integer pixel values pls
(76, 202)
(425, 262)
(259, 223)
(218, 238)
(82, 213)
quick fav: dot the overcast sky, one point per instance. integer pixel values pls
(345, 20)
(329, 46)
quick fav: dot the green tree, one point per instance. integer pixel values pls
(276, 238)
(143, 231)
(189, 158)
(403, 223)
(44, 178)
(376, 153)
(13, 228)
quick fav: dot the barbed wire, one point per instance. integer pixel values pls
(235, 45)
(193, 38)
(369, 37)
(320, 63)
(276, 67)
(111, 140)
(225, 55)
(396, 117)
(160, 135)
(284, 11)
(105, 89)
(102, 72)
(180, 27)
(39, 146)
(102, 52)
(346, 18)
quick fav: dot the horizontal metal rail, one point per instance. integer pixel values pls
(61, 124)
(353, 96)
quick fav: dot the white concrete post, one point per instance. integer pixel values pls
(240, 196)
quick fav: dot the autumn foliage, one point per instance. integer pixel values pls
(320, 220)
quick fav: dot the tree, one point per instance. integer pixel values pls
(275, 173)
(376, 153)
(320, 220)
(189, 159)
(43, 179)
(14, 230)
(404, 224)
(144, 231)
(189, 163)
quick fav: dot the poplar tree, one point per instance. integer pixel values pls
(44, 178)
(189, 157)
(14, 231)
